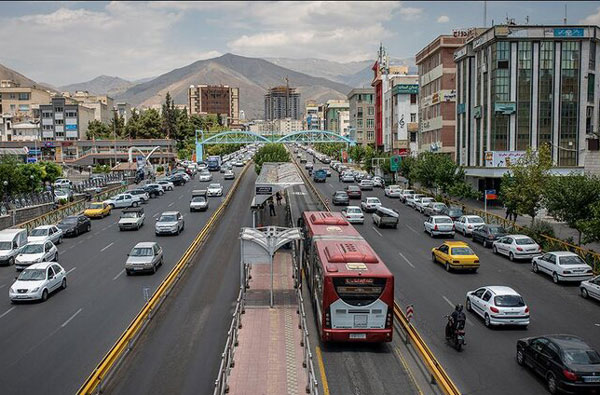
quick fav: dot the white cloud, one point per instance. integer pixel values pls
(443, 19)
(592, 19)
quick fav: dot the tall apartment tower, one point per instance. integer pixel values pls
(222, 100)
(282, 102)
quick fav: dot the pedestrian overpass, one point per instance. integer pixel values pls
(247, 137)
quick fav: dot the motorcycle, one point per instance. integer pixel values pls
(457, 338)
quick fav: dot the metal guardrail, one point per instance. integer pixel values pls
(112, 360)
(438, 374)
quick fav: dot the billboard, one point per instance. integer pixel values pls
(502, 158)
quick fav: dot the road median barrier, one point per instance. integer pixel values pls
(117, 353)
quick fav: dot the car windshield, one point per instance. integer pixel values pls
(96, 206)
(455, 212)
(39, 232)
(33, 249)
(353, 189)
(497, 230)
(214, 186)
(509, 301)
(443, 221)
(581, 357)
(439, 205)
(462, 251)
(167, 218)
(571, 260)
(141, 251)
(32, 275)
(198, 199)
(5, 245)
(524, 241)
(129, 214)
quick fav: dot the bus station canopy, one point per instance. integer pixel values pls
(274, 177)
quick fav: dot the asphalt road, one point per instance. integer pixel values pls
(353, 368)
(180, 351)
(487, 365)
(52, 347)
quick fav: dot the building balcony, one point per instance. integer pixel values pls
(59, 115)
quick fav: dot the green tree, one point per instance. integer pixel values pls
(524, 184)
(270, 153)
(169, 118)
(98, 130)
(116, 127)
(150, 125)
(133, 126)
(590, 227)
(570, 199)
(407, 168)
(462, 190)
(51, 172)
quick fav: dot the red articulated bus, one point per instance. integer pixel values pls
(351, 288)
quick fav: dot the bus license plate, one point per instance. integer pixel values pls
(358, 336)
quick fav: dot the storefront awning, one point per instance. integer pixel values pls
(273, 178)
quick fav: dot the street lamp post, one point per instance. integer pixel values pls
(32, 177)
(5, 189)
(115, 131)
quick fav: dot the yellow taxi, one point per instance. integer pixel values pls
(455, 255)
(97, 210)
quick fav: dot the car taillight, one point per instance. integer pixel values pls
(527, 309)
(435, 227)
(494, 310)
(476, 261)
(569, 375)
(470, 226)
(519, 249)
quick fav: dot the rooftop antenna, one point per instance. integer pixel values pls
(527, 19)
(565, 18)
(484, 13)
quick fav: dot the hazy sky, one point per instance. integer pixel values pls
(67, 42)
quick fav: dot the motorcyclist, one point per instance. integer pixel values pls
(456, 319)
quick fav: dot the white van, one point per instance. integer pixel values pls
(11, 241)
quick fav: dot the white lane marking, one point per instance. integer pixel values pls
(3, 285)
(376, 231)
(406, 259)
(155, 215)
(411, 228)
(70, 270)
(453, 305)
(170, 204)
(107, 247)
(332, 187)
(70, 318)
(118, 275)
(7, 311)
(179, 197)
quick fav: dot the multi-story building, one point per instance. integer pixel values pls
(222, 100)
(311, 120)
(286, 126)
(382, 72)
(437, 99)
(65, 119)
(400, 125)
(524, 86)
(124, 110)
(361, 110)
(101, 104)
(21, 102)
(282, 102)
(337, 116)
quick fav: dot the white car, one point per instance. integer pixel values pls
(185, 176)
(365, 185)
(201, 166)
(406, 193)
(411, 200)
(347, 177)
(46, 232)
(354, 215)
(308, 165)
(132, 219)
(370, 204)
(392, 191)
(167, 185)
(439, 225)
(38, 281)
(169, 222)
(467, 223)
(590, 288)
(36, 252)
(562, 266)
(517, 247)
(62, 183)
(378, 182)
(498, 305)
(214, 190)
(205, 177)
(229, 175)
(422, 203)
(124, 200)
(62, 194)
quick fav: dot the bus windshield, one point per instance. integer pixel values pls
(359, 291)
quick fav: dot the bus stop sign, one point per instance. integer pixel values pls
(395, 162)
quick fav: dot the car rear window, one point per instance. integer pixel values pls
(581, 357)
(462, 251)
(571, 260)
(455, 212)
(525, 241)
(497, 230)
(476, 220)
(509, 301)
(443, 221)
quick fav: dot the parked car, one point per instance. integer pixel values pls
(370, 204)
(467, 223)
(411, 200)
(340, 198)
(169, 222)
(437, 225)
(565, 362)
(392, 191)
(517, 247)
(434, 208)
(74, 225)
(229, 175)
(145, 256)
(205, 176)
(405, 194)
(366, 185)
(498, 305)
(63, 183)
(422, 203)
(452, 212)
(385, 217)
(167, 185)
(487, 234)
(214, 190)
(132, 218)
(455, 255)
(353, 192)
(199, 201)
(38, 281)
(11, 242)
(38, 251)
(177, 179)
(590, 288)
(354, 215)
(562, 266)
(46, 232)
(154, 190)
(63, 194)
(141, 193)
(97, 210)
(123, 200)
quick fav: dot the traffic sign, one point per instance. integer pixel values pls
(490, 194)
(395, 162)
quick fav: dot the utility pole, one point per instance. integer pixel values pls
(484, 13)
(115, 132)
(565, 19)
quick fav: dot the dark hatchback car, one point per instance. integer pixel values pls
(74, 225)
(487, 234)
(153, 190)
(566, 362)
(177, 179)
(353, 192)
(340, 198)
(452, 212)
